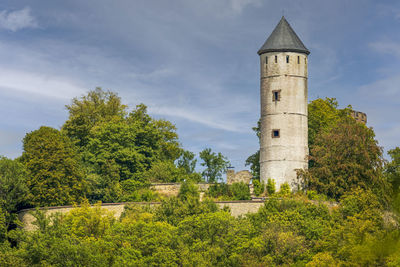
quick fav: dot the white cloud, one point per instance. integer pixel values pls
(17, 20)
(29, 84)
(200, 117)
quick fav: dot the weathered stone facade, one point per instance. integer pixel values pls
(241, 176)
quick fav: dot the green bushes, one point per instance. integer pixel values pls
(236, 191)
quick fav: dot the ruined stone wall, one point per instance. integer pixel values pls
(237, 208)
(172, 189)
(241, 176)
(359, 116)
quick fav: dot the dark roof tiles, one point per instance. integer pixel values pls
(283, 39)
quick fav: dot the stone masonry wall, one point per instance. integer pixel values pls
(241, 176)
(237, 208)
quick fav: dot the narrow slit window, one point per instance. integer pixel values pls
(298, 59)
(305, 60)
(266, 60)
(276, 95)
(287, 59)
(276, 59)
(275, 133)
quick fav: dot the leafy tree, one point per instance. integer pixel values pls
(13, 188)
(215, 164)
(392, 169)
(125, 149)
(323, 115)
(3, 226)
(187, 161)
(345, 158)
(89, 110)
(55, 176)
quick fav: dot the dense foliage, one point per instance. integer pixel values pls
(55, 175)
(184, 231)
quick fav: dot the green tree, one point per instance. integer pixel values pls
(392, 169)
(13, 188)
(123, 149)
(215, 164)
(345, 158)
(323, 115)
(55, 176)
(187, 161)
(89, 110)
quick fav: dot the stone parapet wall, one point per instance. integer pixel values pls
(172, 189)
(237, 208)
(240, 176)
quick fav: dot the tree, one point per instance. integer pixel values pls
(89, 110)
(392, 169)
(13, 189)
(345, 158)
(55, 176)
(215, 164)
(187, 161)
(323, 115)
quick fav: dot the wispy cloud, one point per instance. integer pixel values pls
(17, 20)
(200, 117)
(28, 84)
(388, 47)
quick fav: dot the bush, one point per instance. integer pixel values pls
(259, 187)
(240, 191)
(285, 189)
(271, 186)
(219, 190)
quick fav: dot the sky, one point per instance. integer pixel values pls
(192, 62)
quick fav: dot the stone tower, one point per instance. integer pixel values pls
(284, 126)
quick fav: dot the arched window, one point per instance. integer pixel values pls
(276, 59)
(298, 59)
(287, 59)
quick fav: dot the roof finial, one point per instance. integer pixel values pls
(283, 12)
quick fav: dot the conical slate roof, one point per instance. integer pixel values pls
(283, 39)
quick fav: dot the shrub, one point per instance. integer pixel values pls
(271, 186)
(285, 189)
(219, 190)
(240, 191)
(259, 187)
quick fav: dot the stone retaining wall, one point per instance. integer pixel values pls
(237, 208)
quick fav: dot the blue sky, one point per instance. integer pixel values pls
(192, 62)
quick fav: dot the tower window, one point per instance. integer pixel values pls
(275, 133)
(305, 61)
(276, 95)
(298, 59)
(287, 59)
(276, 59)
(266, 60)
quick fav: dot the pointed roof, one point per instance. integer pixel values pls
(283, 39)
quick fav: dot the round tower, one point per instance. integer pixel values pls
(283, 89)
